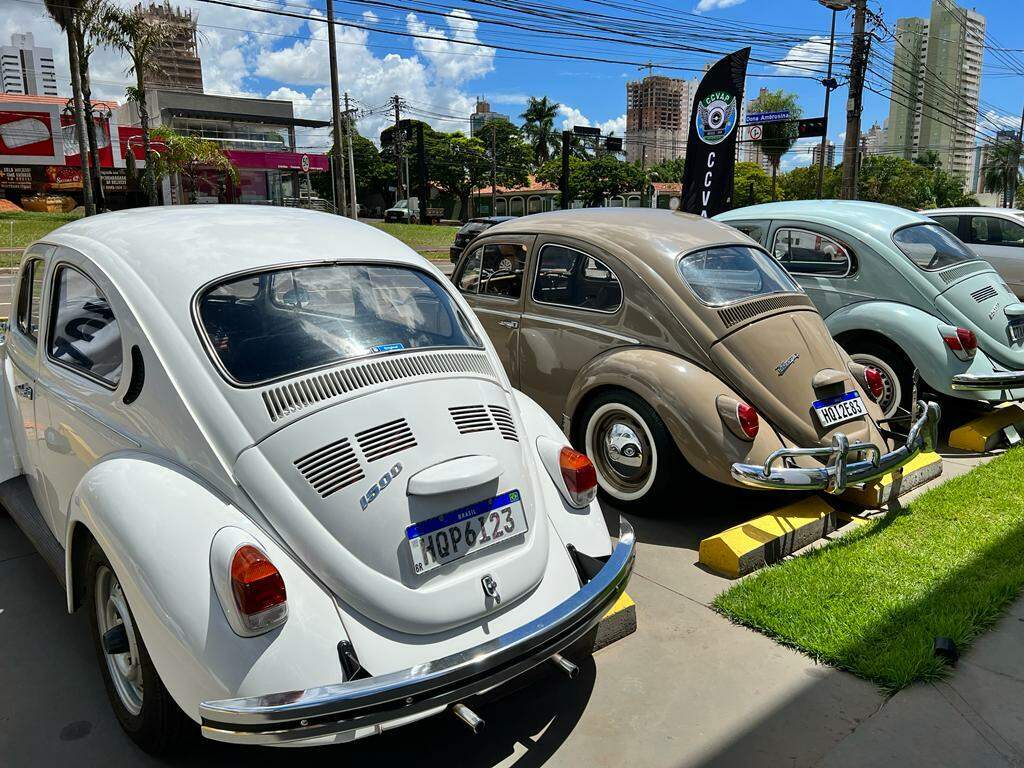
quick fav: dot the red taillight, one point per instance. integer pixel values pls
(257, 587)
(579, 475)
(747, 417)
(961, 340)
(873, 379)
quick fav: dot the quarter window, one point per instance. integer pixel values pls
(30, 297)
(808, 253)
(572, 278)
(988, 230)
(84, 334)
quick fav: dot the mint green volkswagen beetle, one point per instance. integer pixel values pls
(899, 292)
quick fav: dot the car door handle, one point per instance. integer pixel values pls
(24, 390)
(509, 323)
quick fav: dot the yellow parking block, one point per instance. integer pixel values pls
(619, 622)
(916, 472)
(986, 432)
(767, 539)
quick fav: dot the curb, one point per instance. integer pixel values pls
(986, 432)
(619, 622)
(921, 469)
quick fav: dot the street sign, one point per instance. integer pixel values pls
(755, 132)
(811, 126)
(768, 117)
(586, 130)
(304, 163)
(613, 144)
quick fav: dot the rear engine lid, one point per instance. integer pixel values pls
(983, 303)
(344, 484)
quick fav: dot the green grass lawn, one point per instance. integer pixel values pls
(873, 601)
(422, 237)
(17, 230)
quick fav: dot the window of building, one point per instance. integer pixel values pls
(809, 253)
(572, 278)
(83, 331)
(516, 206)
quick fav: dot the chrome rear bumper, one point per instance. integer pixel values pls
(334, 708)
(978, 382)
(840, 472)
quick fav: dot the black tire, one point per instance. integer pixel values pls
(893, 364)
(659, 468)
(159, 726)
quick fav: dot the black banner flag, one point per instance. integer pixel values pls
(711, 145)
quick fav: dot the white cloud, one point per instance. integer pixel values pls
(572, 116)
(811, 54)
(799, 155)
(993, 121)
(714, 5)
(451, 58)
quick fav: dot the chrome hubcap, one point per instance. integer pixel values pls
(624, 451)
(125, 668)
(619, 445)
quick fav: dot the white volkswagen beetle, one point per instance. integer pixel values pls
(273, 455)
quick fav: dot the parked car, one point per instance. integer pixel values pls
(664, 341)
(471, 229)
(899, 293)
(273, 456)
(994, 234)
(404, 211)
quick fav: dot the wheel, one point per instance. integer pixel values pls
(897, 375)
(143, 706)
(633, 453)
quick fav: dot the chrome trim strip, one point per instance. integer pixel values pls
(339, 707)
(977, 382)
(581, 327)
(838, 473)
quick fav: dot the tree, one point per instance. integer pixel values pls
(777, 138)
(457, 164)
(188, 156)
(593, 180)
(513, 157)
(138, 36)
(1001, 171)
(88, 31)
(539, 128)
(751, 185)
(65, 13)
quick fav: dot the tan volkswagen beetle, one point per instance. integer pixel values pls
(662, 340)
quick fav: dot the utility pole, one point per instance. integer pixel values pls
(421, 169)
(338, 168)
(398, 147)
(835, 6)
(851, 145)
(349, 130)
(1013, 176)
(494, 163)
(564, 178)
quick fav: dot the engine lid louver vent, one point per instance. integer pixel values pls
(471, 418)
(386, 439)
(731, 316)
(953, 274)
(985, 293)
(331, 468)
(506, 425)
(285, 399)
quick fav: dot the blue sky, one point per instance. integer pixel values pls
(259, 54)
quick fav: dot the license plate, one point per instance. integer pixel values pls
(455, 534)
(836, 410)
(1016, 332)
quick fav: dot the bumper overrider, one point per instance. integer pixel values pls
(978, 382)
(279, 718)
(839, 472)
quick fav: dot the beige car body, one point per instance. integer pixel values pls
(664, 344)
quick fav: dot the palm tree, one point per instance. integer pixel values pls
(65, 13)
(87, 33)
(1001, 171)
(777, 138)
(539, 128)
(138, 36)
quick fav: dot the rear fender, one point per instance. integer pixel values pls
(155, 523)
(683, 395)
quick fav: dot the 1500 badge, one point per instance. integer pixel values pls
(376, 489)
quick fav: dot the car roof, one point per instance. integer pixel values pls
(491, 219)
(641, 233)
(858, 215)
(989, 209)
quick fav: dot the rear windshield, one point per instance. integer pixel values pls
(732, 273)
(274, 324)
(931, 247)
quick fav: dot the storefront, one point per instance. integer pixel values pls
(264, 178)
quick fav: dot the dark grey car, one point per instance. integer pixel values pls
(471, 229)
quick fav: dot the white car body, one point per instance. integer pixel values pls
(176, 465)
(994, 234)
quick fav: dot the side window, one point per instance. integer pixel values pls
(951, 223)
(572, 278)
(83, 331)
(753, 229)
(468, 280)
(808, 253)
(501, 272)
(30, 296)
(988, 230)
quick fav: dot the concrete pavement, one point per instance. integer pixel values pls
(6, 290)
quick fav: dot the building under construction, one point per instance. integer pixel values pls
(176, 62)
(657, 118)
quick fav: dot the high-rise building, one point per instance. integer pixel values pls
(26, 69)
(830, 155)
(981, 156)
(482, 116)
(176, 62)
(873, 140)
(936, 85)
(658, 118)
(750, 151)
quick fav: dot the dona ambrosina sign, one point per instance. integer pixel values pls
(711, 143)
